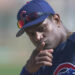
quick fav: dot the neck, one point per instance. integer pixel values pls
(66, 33)
(69, 34)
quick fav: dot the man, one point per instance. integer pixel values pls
(55, 45)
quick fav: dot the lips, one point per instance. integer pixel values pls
(47, 46)
(39, 42)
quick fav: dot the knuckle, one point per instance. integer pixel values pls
(51, 56)
(43, 63)
(36, 59)
(49, 59)
(50, 64)
(46, 57)
(46, 52)
(40, 53)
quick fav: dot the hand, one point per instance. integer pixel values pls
(39, 58)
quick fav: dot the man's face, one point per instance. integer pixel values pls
(47, 32)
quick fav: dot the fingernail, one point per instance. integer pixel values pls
(43, 43)
(51, 50)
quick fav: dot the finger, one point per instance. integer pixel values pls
(40, 47)
(44, 63)
(45, 53)
(44, 58)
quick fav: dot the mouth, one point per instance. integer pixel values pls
(39, 42)
(47, 46)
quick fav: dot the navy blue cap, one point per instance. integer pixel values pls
(31, 7)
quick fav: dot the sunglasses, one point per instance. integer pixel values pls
(25, 18)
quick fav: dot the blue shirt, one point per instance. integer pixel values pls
(63, 60)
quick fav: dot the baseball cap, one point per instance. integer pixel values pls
(32, 13)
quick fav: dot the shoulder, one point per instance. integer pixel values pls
(70, 43)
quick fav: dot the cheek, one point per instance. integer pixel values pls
(48, 33)
(51, 36)
(50, 29)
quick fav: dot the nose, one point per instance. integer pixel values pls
(38, 36)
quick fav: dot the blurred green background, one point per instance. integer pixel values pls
(14, 52)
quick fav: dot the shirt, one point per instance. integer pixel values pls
(63, 60)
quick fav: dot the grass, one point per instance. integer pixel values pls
(10, 69)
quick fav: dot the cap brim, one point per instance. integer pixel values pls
(40, 19)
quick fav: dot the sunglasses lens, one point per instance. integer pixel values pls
(20, 23)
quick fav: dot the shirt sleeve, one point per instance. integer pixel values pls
(25, 72)
(42, 71)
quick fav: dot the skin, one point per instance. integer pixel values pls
(46, 36)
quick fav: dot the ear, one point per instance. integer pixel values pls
(56, 19)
